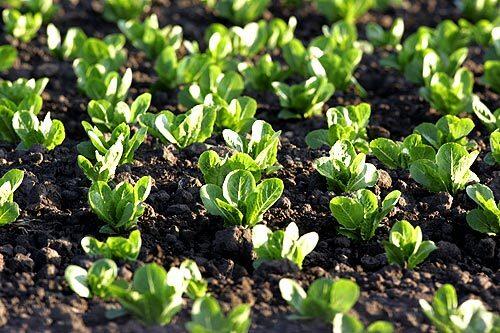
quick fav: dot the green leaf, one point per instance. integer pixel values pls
(343, 295)
(265, 195)
(428, 174)
(343, 323)
(293, 293)
(348, 212)
(422, 253)
(77, 280)
(9, 212)
(237, 187)
(386, 151)
(150, 279)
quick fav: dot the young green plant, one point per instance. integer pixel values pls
(448, 172)
(287, 244)
(48, 133)
(101, 142)
(9, 183)
(196, 125)
(94, 282)
(344, 123)
(262, 145)
(103, 166)
(121, 207)
(324, 299)
(449, 317)
(208, 317)
(485, 218)
(240, 201)
(303, 100)
(401, 154)
(447, 129)
(405, 246)
(359, 216)
(346, 171)
(116, 247)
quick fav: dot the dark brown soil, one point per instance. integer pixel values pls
(35, 250)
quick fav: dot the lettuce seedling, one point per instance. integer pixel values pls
(149, 37)
(238, 115)
(449, 95)
(262, 145)
(100, 142)
(418, 61)
(118, 248)
(121, 207)
(340, 37)
(249, 40)
(215, 169)
(107, 116)
(108, 53)
(324, 299)
(240, 201)
(220, 44)
(154, 296)
(48, 133)
(303, 100)
(98, 84)
(476, 10)
(197, 286)
(208, 317)
(449, 172)
(337, 67)
(344, 323)
(280, 33)
(269, 245)
(448, 317)
(184, 129)
(21, 26)
(70, 47)
(485, 218)
(238, 12)
(46, 8)
(492, 157)
(447, 129)
(491, 75)
(17, 91)
(397, 154)
(344, 123)
(227, 86)
(382, 38)
(405, 246)
(32, 103)
(8, 54)
(261, 75)
(104, 167)
(94, 282)
(346, 171)
(115, 10)
(9, 183)
(360, 215)
(347, 10)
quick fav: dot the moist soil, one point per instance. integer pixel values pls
(35, 250)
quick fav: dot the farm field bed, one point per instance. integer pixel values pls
(55, 214)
